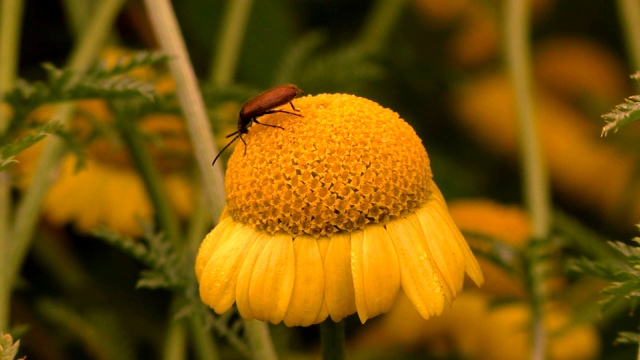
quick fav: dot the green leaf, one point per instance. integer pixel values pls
(624, 113)
(127, 64)
(8, 349)
(156, 251)
(625, 337)
(507, 257)
(9, 151)
(67, 85)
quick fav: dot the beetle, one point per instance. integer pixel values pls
(259, 105)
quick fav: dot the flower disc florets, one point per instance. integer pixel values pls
(346, 163)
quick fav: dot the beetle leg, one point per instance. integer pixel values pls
(270, 125)
(293, 107)
(245, 144)
(281, 111)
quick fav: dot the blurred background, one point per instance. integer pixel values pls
(441, 66)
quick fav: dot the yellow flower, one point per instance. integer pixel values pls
(509, 224)
(108, 191)
(331, 216)
(594, 174)
(476, 328)
(581, 69)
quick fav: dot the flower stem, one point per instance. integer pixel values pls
(167, 218)
(168, 34)
(333, 340)
(11, 12)
(227, 51)
(629, 12)
(380, 21)
(261, 345)
(76, 13)
(535, 182)
(175, 342)
(28, 210)
(205, 347)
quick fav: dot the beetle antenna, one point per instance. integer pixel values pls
(233, 133)
(226, 146)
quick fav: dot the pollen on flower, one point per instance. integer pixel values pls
(346, 163)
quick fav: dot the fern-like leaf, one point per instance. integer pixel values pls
(624, 113)
(625, 337)
(156, 252)
(624, 275)
(67, 85)
(9, 151)
(127, 64)
(8, 348)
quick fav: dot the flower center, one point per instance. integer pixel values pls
(346, 163)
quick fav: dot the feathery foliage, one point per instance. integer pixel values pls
(9, 151)
(8, 348)
(67, 85)
(624, 276)
(156, 252)
(624, 113)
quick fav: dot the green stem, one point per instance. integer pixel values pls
(11, 13)
(206, 348)
(200, 223)
(333, 340)
(77, 13)
(629, 12)
(28, 210)
(227, 51)
(5, 281)
(175, 344)
(535, 181)
(638, 354)
(168, 33)
(380, 22)
(258, 334)
(169, 36)
(167, 219)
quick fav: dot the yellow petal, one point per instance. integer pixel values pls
(440, 233)
(471, 264)
(308, 288)
(219, 234)
(381, 270)
(323, 246)
(421, 279)
(322, 314)
(244, 276)
(380, 275)
(338, 290)
(272, 279)
(219, 277)
(357, 271)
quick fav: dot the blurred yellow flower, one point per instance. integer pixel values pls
(476, 328)
(477, 39)
(580, 69)
(588, 171)
(108, 191)
(508, 224)
(475, 36)
(331, 216)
